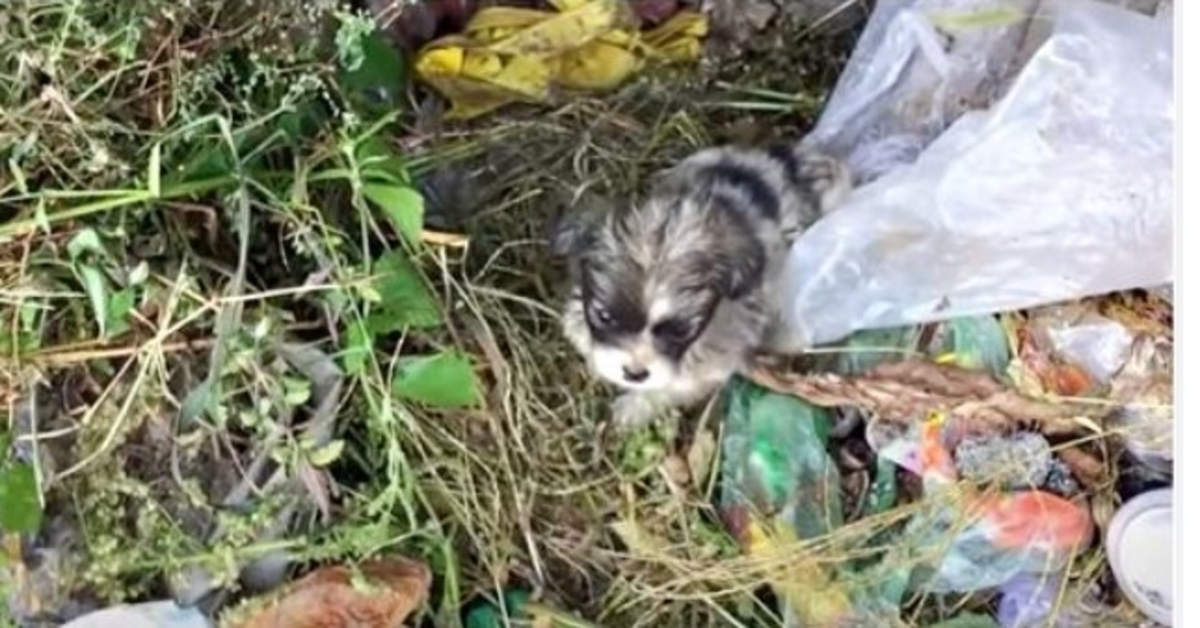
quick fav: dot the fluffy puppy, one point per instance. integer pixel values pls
(671, 296)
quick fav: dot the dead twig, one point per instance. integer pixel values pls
(913, 389)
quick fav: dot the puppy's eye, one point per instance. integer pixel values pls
(673, 330)
(601, 317)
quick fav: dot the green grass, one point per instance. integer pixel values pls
(172, 177)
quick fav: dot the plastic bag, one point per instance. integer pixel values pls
(1062, 189)
(164, 614)
(906, 81)
(779, 486)
(1028, 601)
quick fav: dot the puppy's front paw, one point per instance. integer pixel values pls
(631, 411)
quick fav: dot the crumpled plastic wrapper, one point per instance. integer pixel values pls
(1022, 460)
(1146, 421)
(1063, 188)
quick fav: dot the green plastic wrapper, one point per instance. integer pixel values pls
(977, 342)
(780, 485)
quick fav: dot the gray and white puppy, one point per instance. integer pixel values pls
(671, 296)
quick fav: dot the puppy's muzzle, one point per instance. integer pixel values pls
(635, 374)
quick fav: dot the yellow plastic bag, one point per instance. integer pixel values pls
(507, 55)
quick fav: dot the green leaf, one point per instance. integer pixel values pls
(296, 391)
(377, 82)
(445, 380)
(403, 206)
(95, 284)
(197, 402)
(324, 456)
(358, 344)
(405, 299)
(378, 161)
(86, 241)
(120, 305)
(209, 161)
(305, 122)
(20, 506)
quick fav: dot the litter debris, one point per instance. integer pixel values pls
(1022, 460)
(164, 614)
(1028, 601)
(506, 55)
(1060, 189)
(997, 535)
(779, 486)
(978, 342)
(1139, 545)
(376, 594)
(1146, 419)
(1066, 350)
(998, 508)
(484, 614)
(1117, 349)
(518, 606)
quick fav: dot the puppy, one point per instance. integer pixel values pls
(671, 296)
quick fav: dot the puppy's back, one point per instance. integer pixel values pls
(785, 186)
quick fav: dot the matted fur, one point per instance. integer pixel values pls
(671, 296)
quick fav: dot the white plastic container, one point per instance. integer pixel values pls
(1140, 547)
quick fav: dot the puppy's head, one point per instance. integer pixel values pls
(648, 281)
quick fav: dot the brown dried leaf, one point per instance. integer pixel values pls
(701, 454)
(1151, 314)
(333, 597)
(1088, 469)
(912, 389)
(677, 471)
(654, 11)
(737, 21)
(637, 539)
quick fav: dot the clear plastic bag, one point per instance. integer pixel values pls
(1063, 188)
(907, 79)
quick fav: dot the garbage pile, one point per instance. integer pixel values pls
(1009, 472)
(995, 296)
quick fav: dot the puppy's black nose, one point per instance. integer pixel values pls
(635, 373)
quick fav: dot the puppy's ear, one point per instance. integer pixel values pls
(569, 231)
(740, 269)
(740, 260)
